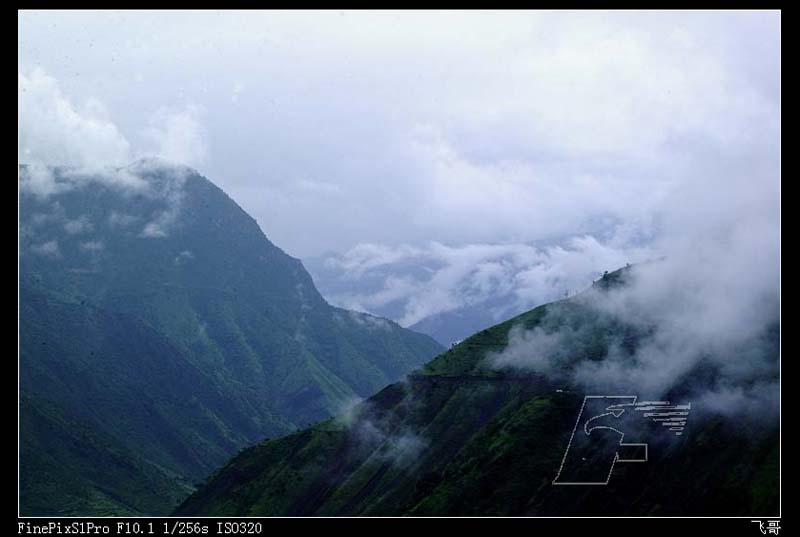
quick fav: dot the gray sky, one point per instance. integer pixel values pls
(340, 128)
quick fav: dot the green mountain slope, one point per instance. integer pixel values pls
(156, 317)
(461, 437)
(71, 467)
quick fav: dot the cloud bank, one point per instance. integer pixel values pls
(411, 284)
(710, 309)
(339, 128)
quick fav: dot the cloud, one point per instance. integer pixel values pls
(44, 180)
(121, 220)
(178, 135)
(183, 257)
(711, 306)
(52, 130)
(411, 283)
(157, 180)
(755, 400)
(385, 441)
(65, 148)
(535, 350)
(78, 226)
(370, 322)
(47, 249)
(489, 127)
(124, 179)
(39, 180)
(706, 317)
(170, 192)
(92, 246)
(724, 363)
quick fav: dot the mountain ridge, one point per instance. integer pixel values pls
(459, 438)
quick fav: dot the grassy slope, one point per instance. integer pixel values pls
(493, 442)
(71, 468)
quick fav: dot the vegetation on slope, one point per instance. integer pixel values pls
(463, 438)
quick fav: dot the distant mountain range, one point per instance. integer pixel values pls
(364, 291)
(468, 435)
(161, 332)
(451, 292)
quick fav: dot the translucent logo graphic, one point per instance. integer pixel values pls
(602, 434)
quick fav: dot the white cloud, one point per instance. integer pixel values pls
(509, 278)
(124, 179)
(369, 321)
(532, 350)
(47, 249)
(120, 220)
(52, 130)
(78, 225)
(170, 192)
(459, 127)
(92, 246)
(178, 135)
(400, 446)
(182, 258)
(40, 181)
(710, 302)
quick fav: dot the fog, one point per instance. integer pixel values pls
(710, 303)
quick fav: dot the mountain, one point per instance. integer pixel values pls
(450, 327)
(465, 436)
(161, 332)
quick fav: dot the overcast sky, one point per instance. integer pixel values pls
(339, 128)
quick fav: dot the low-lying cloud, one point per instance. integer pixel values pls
(156, 180)
(412, 283)
(709, 310)
(385, 441)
